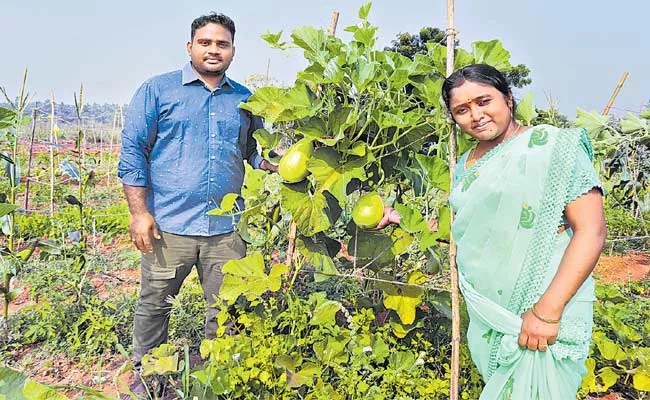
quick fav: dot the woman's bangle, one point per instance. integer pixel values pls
(542, 318)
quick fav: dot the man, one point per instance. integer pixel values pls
(183, 147)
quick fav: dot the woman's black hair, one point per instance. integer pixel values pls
(479, 73)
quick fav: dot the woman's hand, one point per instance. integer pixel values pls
(391, 216)
(536, 334)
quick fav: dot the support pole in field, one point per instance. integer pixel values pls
(110, 149)
(29, 160)
(455, 296)
(268, 69)
(52, 124)
(333, 22)
(615, 94)
(293, 227)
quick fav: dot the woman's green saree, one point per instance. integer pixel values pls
(509, 206)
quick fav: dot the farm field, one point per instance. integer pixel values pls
(322, 306)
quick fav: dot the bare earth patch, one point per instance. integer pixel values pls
(623, 268)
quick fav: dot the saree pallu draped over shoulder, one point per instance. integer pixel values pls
(509, 206)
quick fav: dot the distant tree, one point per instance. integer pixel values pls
(409, 45)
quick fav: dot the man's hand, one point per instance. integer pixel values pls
(268, 166)
(391, 216)
(142, 229)
(536, 334)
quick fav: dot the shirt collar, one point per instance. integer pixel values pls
(190, 75)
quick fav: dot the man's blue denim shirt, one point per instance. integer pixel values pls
(186, 145)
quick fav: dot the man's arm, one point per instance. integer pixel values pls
(138, 137)
(142, 226)
(253, 158)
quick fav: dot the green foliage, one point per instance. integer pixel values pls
(622, 154)
(410, 45)
(620, 355)
(289, 346)
(376, 122)
(69, 315)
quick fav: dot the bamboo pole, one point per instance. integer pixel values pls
(293, 227)
(29, 160)
(455, 296)
(52, 139)
(110, 149)
(268, 68)
(615, 94)
(333, 22)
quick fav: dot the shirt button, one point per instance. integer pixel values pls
(211, 179)
(212, 158)
(213, 135)
(213, 114)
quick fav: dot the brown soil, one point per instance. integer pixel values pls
(624, 268)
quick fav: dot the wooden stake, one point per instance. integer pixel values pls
(52, 139)
(29, 162)
(268, 68)
(293, 227)
(455, 296)
(615, 94)
(333, 22)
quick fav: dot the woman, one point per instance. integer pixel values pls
(529, 228)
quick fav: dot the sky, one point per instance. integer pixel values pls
(577, 50)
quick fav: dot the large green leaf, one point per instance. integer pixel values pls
(410, 219)
(37, 391)
(491, 53)
(333, 175)
(333, 73)
(404, 299)
(310, 39)
(608, 376)
(273, 39)
(371, 249)
(267, 102)
(526, 109)
(266, 139)
(299, 102)
(305, 376)
(7, 117)
(641, 382)
(6, 208)
(421, 65)
(310, 211)
(631, 123)
(364, 73)
(366, 35)
(317, 254)
(462, 58)
(435, 171)
(592, 121)
(11, 384)
(332, 351)
(226, 207)
(339, 120)
(429, 89)
(364, 10)
(246, 276)
(324, 310)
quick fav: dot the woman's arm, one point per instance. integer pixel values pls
(586, 217)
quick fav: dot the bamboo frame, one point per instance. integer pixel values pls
(615, 94)
(455, 295)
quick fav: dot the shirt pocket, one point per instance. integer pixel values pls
(229, 124)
